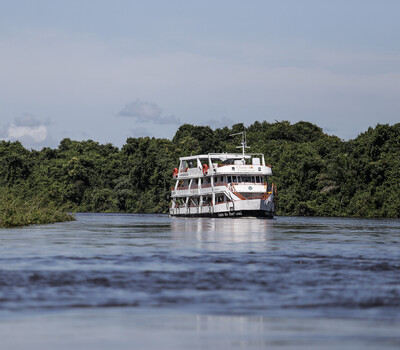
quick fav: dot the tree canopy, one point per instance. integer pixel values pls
(316, 174)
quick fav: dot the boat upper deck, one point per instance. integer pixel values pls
(222, 164)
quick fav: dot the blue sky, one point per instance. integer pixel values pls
(108, 70)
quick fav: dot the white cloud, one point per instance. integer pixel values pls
(31, 132)
(145, 112)
(36, 133)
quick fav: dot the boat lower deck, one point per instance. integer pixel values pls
(250, 207)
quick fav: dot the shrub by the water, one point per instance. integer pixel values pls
(15, 211)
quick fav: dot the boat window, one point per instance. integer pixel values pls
(229, 179)
(219, 198)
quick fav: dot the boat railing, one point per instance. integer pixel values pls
(194, 187)
(222, 165)
(230, 186)
(178, 206)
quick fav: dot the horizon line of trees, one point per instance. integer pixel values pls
(316, 174)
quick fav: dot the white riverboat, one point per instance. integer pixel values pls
(223, 185)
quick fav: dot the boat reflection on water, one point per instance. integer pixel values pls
(221, 230)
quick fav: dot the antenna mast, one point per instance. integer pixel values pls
(244, 142)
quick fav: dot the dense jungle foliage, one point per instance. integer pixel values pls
(316, 174)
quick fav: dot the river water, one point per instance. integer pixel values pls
(150, 281)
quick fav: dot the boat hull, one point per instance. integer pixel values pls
(232, 214)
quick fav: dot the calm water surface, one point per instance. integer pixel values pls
(150, 281)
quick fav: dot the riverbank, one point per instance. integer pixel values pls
(16, 211)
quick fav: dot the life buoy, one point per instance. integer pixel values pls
(205, 169)
(175, 172)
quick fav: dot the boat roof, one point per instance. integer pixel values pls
(221, 156)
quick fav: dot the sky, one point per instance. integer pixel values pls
(109, 70)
